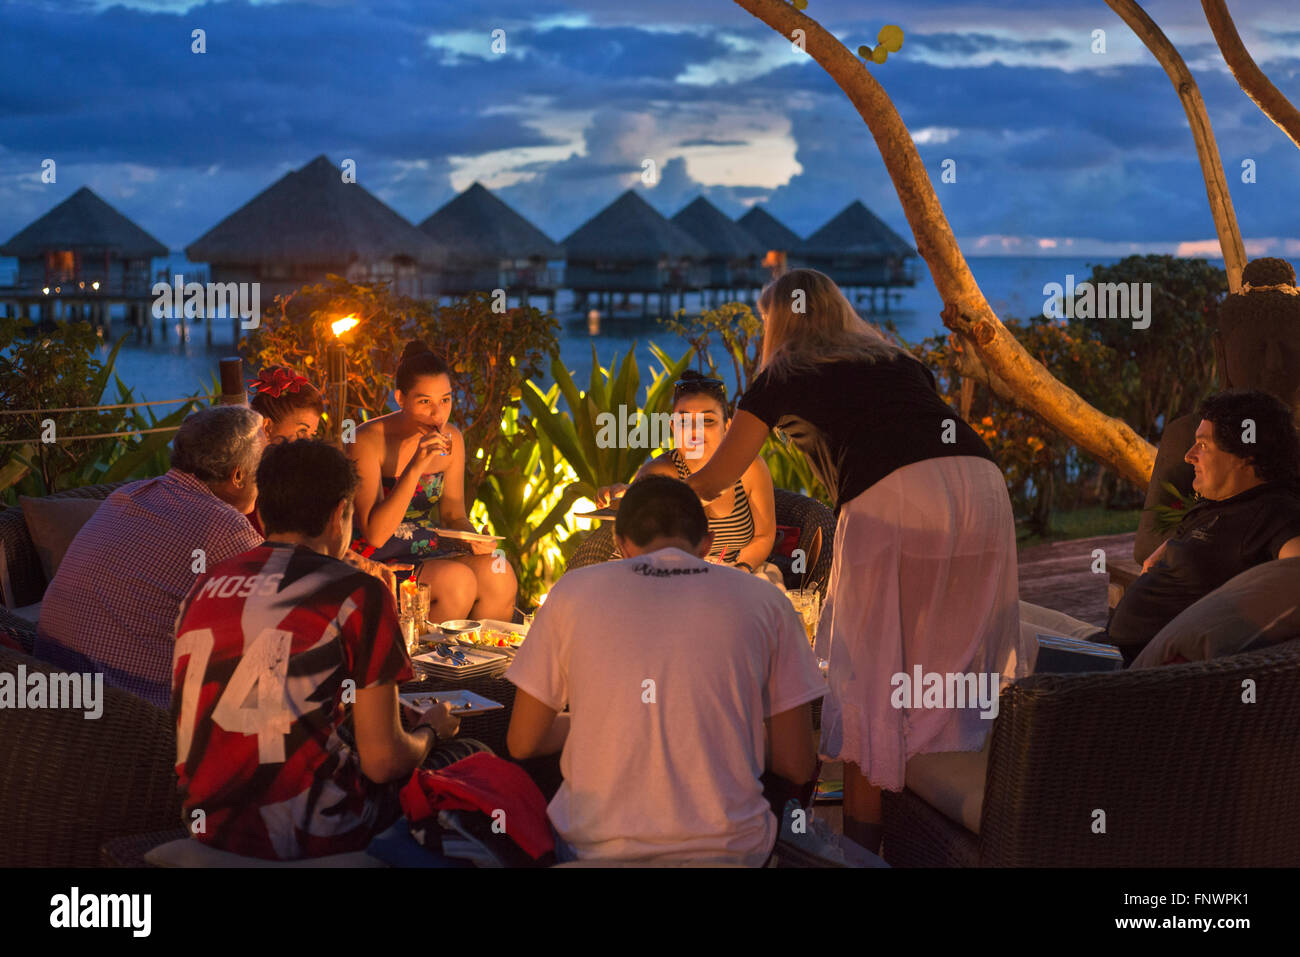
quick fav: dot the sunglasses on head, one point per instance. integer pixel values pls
(700, 385)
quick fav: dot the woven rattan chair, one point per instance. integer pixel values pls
(1186, 772)
(596, 548)
(22, 580)
(811, 516)
(792, 509)
(70, 784)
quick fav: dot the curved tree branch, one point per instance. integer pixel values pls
(967, 313)
(1270, 100)
(1207, 150)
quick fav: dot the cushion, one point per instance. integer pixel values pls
(187, 852)
(30, 613)
(787, 540)
(951, 782)
(1258, 608)
(53, 523)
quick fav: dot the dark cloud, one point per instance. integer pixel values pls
(178, 140)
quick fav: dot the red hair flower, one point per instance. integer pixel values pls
(276, 381)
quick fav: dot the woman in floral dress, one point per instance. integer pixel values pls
(412, 469)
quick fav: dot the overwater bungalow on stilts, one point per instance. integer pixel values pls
(734, 261)
(860, 253)
(774, 236)
(78, 261)
(627, 248)
(312, 222)
(491, 246)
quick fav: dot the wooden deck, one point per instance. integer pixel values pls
(1060, 576)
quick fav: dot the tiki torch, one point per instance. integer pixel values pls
(336, 365)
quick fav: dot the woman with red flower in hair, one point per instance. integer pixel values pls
(291, 407)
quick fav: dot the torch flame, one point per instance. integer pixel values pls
(340, 326)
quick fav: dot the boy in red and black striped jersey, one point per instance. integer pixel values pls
(271, 645)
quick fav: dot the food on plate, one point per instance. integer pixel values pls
(499, 638)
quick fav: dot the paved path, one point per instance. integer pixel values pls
(1060, 576)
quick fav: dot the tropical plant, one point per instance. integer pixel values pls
(737, 328)
(589, 435)
(57, 369)
(1168, 368)
(1169, 516)
(525, 496)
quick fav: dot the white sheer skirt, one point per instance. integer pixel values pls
(923, 573)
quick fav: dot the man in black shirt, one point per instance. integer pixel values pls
(1246, 460)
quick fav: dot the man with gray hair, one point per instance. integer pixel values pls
(113, 603)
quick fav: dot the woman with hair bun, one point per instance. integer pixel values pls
(411, 464)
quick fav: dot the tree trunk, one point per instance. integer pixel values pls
(967, 312)
(1270, 100)
(1207, 150)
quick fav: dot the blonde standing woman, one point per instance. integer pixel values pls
(924, 566)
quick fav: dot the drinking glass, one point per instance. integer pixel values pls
(422, 598)
(410, 596)
(410, 634)
(807, 602)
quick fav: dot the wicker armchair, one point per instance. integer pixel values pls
(22, 580)
(811, 516)
(1188, 775)
(792, 509)
(69, 784)
(595, 548)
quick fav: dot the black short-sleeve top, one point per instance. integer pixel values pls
(857, 421)
(1215, 541)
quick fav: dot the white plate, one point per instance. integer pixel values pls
(495, 624)
(476, 657)
(455, 534)
(462, 702)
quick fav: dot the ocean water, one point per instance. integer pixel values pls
(184, 363)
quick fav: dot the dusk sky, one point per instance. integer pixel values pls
(1058, 149)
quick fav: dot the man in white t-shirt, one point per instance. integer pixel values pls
(675, 672)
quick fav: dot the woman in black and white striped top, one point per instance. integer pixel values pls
(743, 521)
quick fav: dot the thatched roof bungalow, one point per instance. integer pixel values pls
(735, 258)
(309, 223)
(490, 246)
(80, 242)
(856, 249)
(774, 236)
(629, 247)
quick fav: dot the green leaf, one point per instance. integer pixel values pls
(557, 427)
(554, 517)
(17, 468)
(126, 465)
(659, 394)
